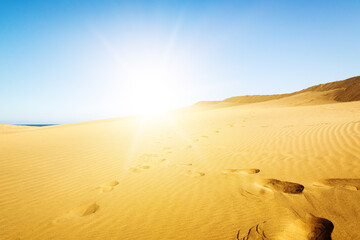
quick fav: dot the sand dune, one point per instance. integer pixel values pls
(7, 128)
(276, 169)
(340, 91)
(346, 90)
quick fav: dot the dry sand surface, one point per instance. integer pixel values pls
(286, 168)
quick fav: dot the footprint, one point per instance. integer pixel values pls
(255, 233)
(81, 211)
(348, 183)
(318, 228)
(204, 136)
(195, 174)
(134, 170)
(315, 228)
(85, 210)
(150, 155)
(216, 131)
(138, 169)
(145, 167)
(282, 186)
(108, 187)
(184, 164)
(243, 171)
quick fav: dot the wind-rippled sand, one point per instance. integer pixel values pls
(272, 170)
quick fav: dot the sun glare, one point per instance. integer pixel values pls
(151, 89)
(148, 75)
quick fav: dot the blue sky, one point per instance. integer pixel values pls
(71, 61)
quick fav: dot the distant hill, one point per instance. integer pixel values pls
(346, 90)
(340, 91)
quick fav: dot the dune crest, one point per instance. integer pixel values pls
(340, 91)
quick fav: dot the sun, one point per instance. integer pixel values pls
(149, 78)
(151, 89)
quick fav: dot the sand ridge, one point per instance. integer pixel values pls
(340, 91)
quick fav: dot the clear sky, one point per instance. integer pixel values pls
(65, 61)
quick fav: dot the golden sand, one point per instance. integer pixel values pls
(286, 168)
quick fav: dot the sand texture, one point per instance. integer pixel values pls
(284, 168)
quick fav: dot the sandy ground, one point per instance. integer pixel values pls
(283, 169)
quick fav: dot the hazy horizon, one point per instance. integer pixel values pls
(65, 61)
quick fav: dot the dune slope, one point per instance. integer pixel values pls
(340, 91)
(254, 171)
